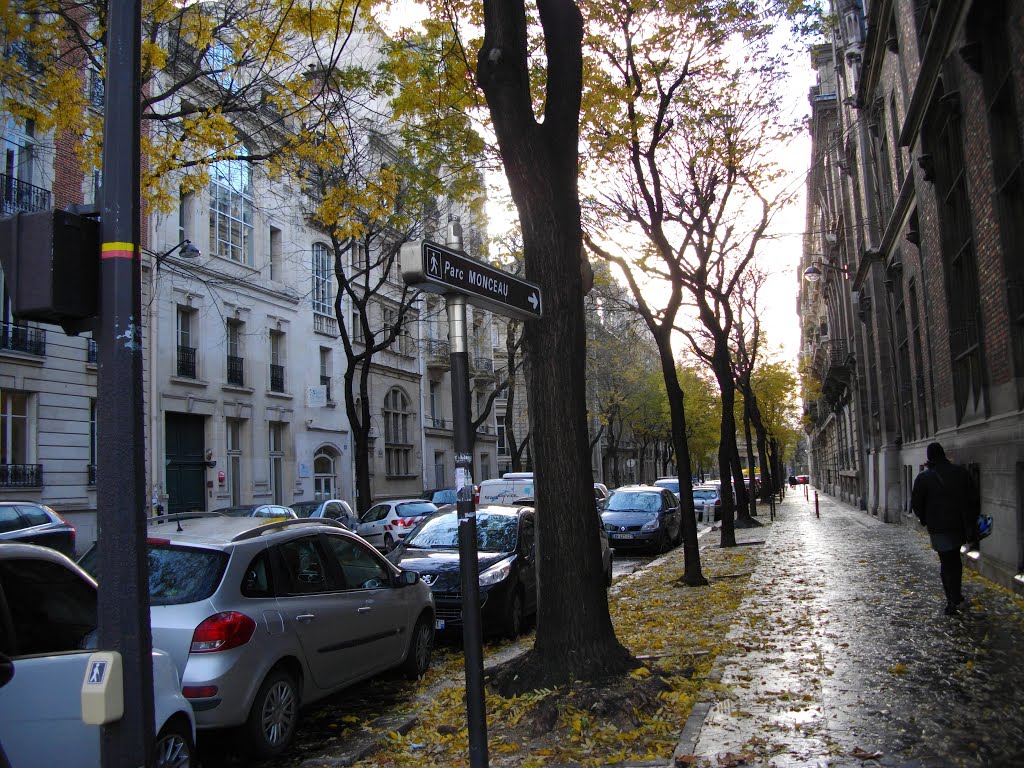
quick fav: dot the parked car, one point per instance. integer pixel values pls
(258, 510)
(335, 509)
(672, 483)
(606, 549)
(31, 523)
(506, 489)
(48, 626)
(803, 479)
(643, 517)
(263, 617)
(385, 524)
(601, 494)
(707, 502)
(507, 563)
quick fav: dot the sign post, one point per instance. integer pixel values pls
(462, 279)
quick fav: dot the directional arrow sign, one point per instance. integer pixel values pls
(439, 269)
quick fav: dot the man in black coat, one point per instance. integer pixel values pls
(945, 501)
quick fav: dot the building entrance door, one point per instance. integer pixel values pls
(186, 463)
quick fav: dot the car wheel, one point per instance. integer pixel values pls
(664, 543)
(174, 748)
(421, 646)
(274, 715)
(514, 615)
(608, 572)
(389, 542)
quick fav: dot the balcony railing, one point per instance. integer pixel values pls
(483, 366)
(325, 324)
(276, 378)
(186, 362)
(437, 423)
(325, 381)
(21, 197)
(236, 371)
(21, 475)
(21, 338)
(438, 354)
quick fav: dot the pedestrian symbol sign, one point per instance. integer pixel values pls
(97, 672)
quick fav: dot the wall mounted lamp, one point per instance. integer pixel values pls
(188, 251)
(814, 272)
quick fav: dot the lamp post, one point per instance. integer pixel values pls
(814, 272)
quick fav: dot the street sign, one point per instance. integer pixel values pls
(439, 269)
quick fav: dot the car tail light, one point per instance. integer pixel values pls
(222, 631)
(199, 691)
(159, 542)
(407, 522)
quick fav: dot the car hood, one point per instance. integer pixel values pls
(440, 567)
(626, 518)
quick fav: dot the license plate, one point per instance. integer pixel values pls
(438, 623)
(622, 535)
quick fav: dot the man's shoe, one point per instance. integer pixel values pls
(951, 609)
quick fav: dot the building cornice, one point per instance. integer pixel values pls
(879, 20)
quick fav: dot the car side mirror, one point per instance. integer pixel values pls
(408, 578)
(6, 669)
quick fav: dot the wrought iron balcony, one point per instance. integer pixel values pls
(21, 475)
(21, 197)
(483, 366)
(22, 338)
(236, 371)
(437, 423)
(186, 362)
(276, 378)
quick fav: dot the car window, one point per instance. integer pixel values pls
(52, 608)
(704, 494)
(34, 515)
(10, 520)
(258, 581)
(305, 508)
(305, 569)
(333, 511)
(637, 502)
(375, 513)
(359, 566)
(528, 542)
(415, 509)
(180, 575)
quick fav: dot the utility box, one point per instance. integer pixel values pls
(51, 261)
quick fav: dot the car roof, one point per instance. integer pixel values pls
(11, 550)
(636, 488)
(218, 530)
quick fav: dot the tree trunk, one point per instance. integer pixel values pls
(751, 464)
(575, 638)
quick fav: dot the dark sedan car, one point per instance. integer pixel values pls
(643, 517)
(29, 523)
(508, 575)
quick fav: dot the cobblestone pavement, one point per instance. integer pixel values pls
(844, 656)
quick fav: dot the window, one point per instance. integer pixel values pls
(435, 404)
(915, 330)
(13, 427)
(276, 361)
(904, 383)
(390, 319)
(233, 427)
(943, 137)
(326, 371)
(186, 343)
(323, 295)
(304, 566)
(277, 461)
(357, 258)
(397, 447)
(502, 445)
(358, 564)
(93, 443)
(325, 473)
(231, 210)
(220, 64)
(439, 469)
(356, 326)
(236, 368)
(275, 253)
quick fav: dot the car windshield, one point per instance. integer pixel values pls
(494, 533)
(447, 496)
(305, 508)
(672, 485)
(704, 493)
(415, 509)
(179, 575)
(634, 502)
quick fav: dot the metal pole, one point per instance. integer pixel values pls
(816, 511)
(123, 605)
(472, 638)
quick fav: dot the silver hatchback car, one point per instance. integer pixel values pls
(263, 617)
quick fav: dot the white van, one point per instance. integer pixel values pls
(506, 489)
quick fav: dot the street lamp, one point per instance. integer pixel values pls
(813, 273)
(188, 251)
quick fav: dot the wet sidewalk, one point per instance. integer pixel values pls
(845, 657)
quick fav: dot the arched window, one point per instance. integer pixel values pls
(397, 445)
(323, 295)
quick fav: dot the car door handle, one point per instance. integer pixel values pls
(305, 618)
(364, 609)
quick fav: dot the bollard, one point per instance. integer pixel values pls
(805, 493)
(816, 512)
